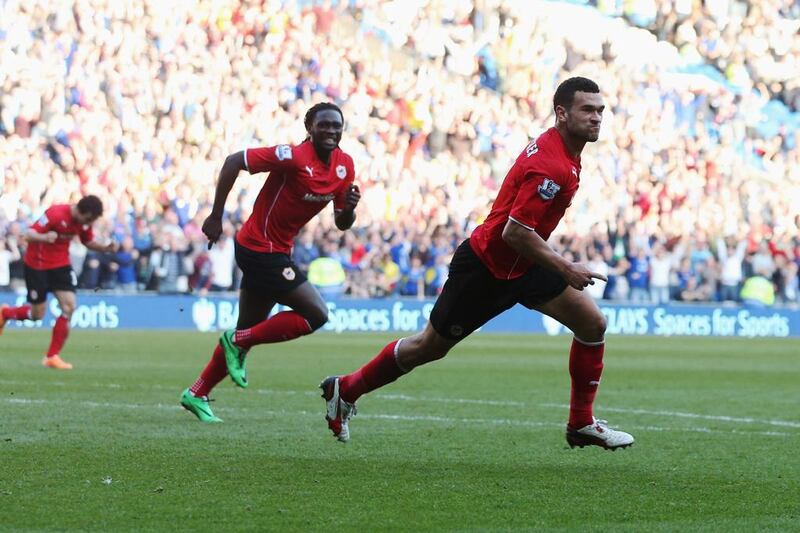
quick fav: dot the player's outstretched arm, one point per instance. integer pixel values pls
(345, 218)
(212, 227)
(532, 247)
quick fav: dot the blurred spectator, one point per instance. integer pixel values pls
(171, 265)
(125, 259)
(731, 257)
(412, 282)
(436, 275)
(758, 291)
(785, 280)
(200, 279)
(661, 264)
(328, 276)
(638, 275)
(762, 261)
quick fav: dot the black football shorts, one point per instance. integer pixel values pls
(41, 282)
(472, 295)
(267, 274)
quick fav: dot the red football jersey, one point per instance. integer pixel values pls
(535, 193)
(298, 187)
(46, 256)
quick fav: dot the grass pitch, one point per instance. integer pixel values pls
(471, 443)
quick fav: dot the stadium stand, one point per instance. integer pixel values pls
(693, 188)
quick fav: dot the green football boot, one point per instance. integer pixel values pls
(198, 407)
(235, 358)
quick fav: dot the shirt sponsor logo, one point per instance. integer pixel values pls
(341, 172)
(310, 197)
(548, 189)
(283, 152)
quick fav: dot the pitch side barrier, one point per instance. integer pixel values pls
(215, 313)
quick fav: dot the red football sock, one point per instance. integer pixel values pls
(23, 312)
(284, 326)
(382, 370)
(60, 333)
(214, 372)
(585, 368)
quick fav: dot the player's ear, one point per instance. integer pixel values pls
(561, 113)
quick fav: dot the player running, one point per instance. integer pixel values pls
(47, 268)
(508, 261)
(303, 179)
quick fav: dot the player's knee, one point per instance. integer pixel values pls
(67, 308)
(595, 328)
(317, 318)
(37, 313)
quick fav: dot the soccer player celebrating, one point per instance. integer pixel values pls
(47, 268)
(507, 261)
(302, 180)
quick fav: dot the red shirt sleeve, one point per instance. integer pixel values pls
(341, 193)
(534, 198)
(86, 234)
(269, 158)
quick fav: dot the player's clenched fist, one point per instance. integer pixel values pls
(352, 198)
(212, 228)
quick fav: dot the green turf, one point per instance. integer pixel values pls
(471, 443)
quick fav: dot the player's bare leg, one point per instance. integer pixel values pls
(578, 311)
(67, 303)
(397, 358)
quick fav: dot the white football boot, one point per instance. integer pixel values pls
(598, 434)
(339, 411)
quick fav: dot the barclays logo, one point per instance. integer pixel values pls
(204, 314)
(209, 315)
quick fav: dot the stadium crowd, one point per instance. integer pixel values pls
(139, 102)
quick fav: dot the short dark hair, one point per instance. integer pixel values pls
(322, 106)
(565, 93)
(90, 205)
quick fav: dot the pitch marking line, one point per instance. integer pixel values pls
(405, 418)
(501, 403)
